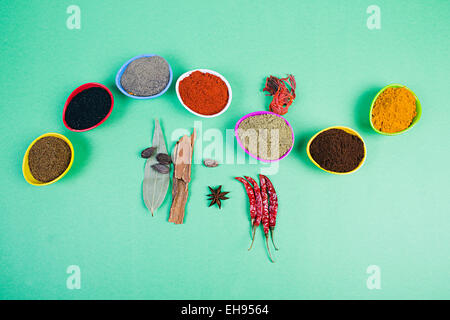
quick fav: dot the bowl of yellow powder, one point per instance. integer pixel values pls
(394, 110)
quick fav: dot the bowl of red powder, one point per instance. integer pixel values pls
(204, 92)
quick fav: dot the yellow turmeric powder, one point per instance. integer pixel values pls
(394, 110)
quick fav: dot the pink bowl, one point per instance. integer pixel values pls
(257, 113)
(77, 91)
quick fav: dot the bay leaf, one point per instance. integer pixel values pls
(155, 184)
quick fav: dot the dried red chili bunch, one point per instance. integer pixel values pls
(260, 208)
(283, 92)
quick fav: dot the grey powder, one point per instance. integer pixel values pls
(146, 76)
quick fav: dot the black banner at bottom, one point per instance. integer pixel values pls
(218, 309)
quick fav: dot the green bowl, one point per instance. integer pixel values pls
(415, 120)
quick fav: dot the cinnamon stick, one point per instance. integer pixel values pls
(182, 160)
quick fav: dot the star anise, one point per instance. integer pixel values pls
(216, 196)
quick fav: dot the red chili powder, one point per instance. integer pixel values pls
(204, 93)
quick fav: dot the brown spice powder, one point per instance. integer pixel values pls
(394, 110)
(337, 150)
(48, 158)
(267, 136)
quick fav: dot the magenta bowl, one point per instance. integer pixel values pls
(257, 113)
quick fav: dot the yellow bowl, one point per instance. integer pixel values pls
(26, 168)
(348, 130)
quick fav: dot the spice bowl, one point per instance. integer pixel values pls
(187, 74)
(26, 168)
(346, 129)
(257, 113)
(76, 92)
(124, 67)
(414, 121)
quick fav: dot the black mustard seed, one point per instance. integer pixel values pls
(88, 108)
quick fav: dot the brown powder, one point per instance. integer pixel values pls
(337, 150)
(267, 136)
(48, 158)
(394, 110)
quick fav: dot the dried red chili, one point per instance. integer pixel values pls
(265, 215)
(265, 199)
(259, 206)
(273, 207)
(283, 92)
(251, 198)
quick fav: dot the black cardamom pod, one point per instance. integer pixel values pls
(161, 168)
(147, 153)
(163, 158)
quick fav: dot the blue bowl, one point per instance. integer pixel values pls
(122, 70)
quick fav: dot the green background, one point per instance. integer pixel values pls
(393, 212)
